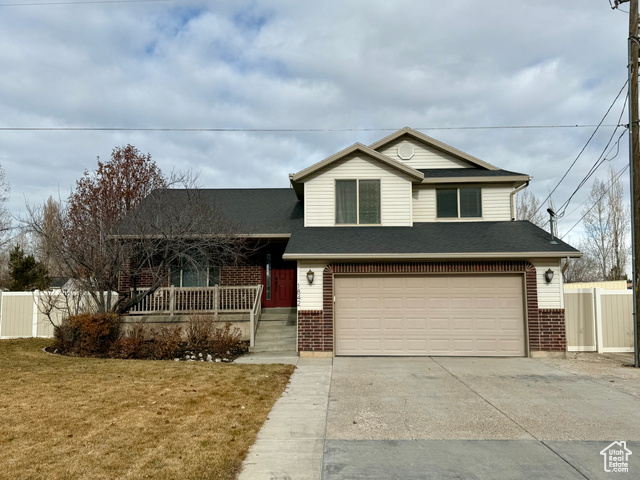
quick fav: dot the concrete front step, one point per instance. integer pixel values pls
(273, 337)
(279, 310)
(272, 317)
(277, 324)
(276, 330)
(284, 347)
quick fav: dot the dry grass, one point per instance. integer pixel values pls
(76, 418)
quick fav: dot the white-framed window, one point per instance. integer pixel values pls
(463, 202)
(358, 202)
(189, 275)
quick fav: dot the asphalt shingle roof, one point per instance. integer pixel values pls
(427, 238)
(277, 211)
(466, 172)
(252, 211)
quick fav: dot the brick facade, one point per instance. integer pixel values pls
(546, 328)
(241, 275)
(313, 329)
(551, 330)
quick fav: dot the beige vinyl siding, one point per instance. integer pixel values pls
(424, 204)
(395, 192)
(550, 295)
(424, 156)
(310, 295)
(495, 204)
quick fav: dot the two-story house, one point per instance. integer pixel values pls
(407, 246)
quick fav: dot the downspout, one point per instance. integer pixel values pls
(511, 195)
(566, 265)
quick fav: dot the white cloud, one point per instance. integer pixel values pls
(300, 65)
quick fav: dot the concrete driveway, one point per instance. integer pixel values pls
(446, 418)
(475, 418)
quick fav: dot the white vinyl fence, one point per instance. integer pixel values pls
(599, 320)
(23, 314)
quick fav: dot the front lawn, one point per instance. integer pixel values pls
(71, 418)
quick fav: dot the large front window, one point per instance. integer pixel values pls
(190, 275)
(358, 202)
(459, 202)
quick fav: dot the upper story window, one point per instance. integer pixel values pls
(459, 202)
(358, 202)
(189, 275)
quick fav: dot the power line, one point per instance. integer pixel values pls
(598, 163)
(585, 146)
(617, 144)
(284, 130)
(613, 181)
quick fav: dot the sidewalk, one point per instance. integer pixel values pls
(291, 442)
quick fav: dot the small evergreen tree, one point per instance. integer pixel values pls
(26, 272)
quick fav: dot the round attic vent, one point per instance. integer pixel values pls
(405, 151)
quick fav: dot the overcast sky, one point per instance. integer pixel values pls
(367, 66)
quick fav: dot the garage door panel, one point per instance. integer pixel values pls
(438, 325)
(370, 324)
(462, 324)
(430, 315)
(416, 325)
(393, 324)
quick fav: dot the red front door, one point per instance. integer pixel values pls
(279, 283)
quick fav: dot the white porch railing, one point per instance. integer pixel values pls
(216, 300)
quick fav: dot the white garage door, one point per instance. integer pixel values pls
(473, 315)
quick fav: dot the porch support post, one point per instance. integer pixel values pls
(216, 301)
(172, 300)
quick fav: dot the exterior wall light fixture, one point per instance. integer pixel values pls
(310, 276)
(548, 276)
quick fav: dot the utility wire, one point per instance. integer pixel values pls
(599, 162)
(284, 130)
(608, 160)
(613, 182)
(584, 148)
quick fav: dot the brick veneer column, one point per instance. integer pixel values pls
(552, 330)
(545, 327)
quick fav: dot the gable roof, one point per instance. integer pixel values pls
(509, 239)
(432, 142)
(357, 147)
(265, 212)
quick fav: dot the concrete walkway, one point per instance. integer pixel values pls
(291, 442)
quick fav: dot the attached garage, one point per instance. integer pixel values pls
(438, 314)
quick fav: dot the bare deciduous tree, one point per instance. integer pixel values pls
(583, 269)
(607, 224)
(46, 244)
(123, 220)
(527, 206)
(5, 215)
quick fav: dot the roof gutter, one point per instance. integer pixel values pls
(511, 199)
